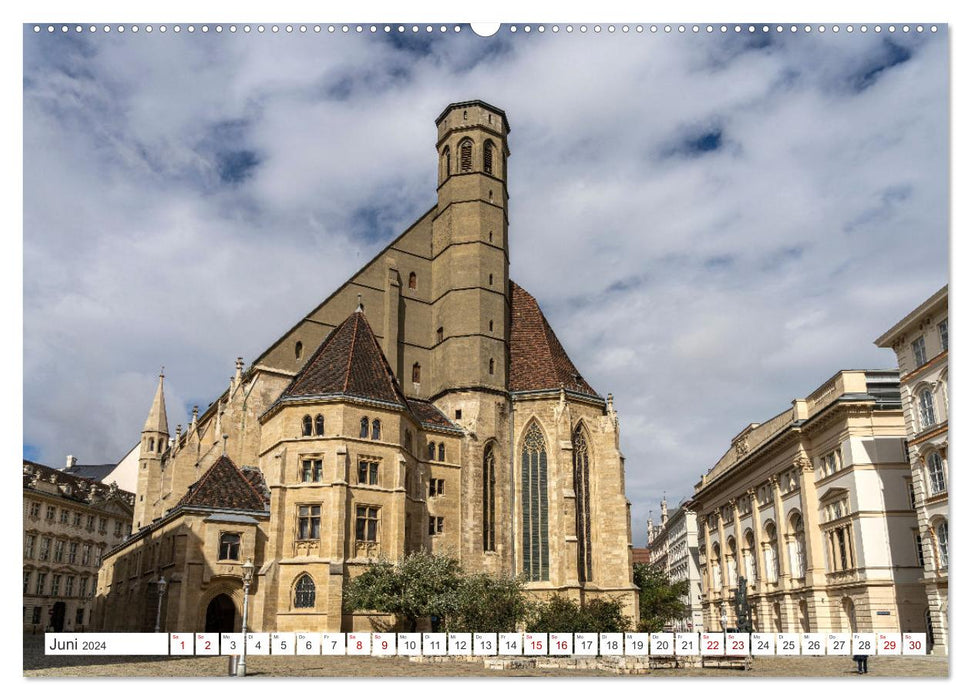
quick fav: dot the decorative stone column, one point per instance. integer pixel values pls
(818, 602)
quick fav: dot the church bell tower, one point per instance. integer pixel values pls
(470, 252)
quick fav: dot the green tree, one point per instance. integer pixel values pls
(560, 614)
(484, 603)
(419, 586)
(661, 601)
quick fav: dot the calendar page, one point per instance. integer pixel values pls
(395, 349)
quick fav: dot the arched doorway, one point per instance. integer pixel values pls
(221, 614)
(849, 615)
(57, 616)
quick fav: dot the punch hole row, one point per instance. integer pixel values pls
(513, 29)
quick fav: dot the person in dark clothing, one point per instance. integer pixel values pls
(860, 660)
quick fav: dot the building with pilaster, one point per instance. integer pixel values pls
(812, 508)
(920, 341)
(69, 523)
(425, 405)
(673, 546)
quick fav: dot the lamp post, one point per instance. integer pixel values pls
(162, 585)
(247, 580)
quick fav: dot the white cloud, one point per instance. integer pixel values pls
(704, 288)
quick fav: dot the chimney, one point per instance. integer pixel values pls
(71, 461)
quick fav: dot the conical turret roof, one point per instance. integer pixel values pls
(157, 421)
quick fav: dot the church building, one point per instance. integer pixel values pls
(426, 405)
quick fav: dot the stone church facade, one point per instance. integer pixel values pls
(426, 405)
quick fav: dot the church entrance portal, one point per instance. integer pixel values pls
(221, 614)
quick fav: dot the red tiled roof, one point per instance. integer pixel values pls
(224, 486)
(429, 415)
(348, 363)
(537, 360)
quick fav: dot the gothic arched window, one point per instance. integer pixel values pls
(151, 444)
(446, 163)
(465, 156)
(305, 592)
(319, 425)
(308, 426)
(581, 486)
(536, 548)
(298, 350)
(365, 426)
(441, 452)
(489, 500)
(412, 281)
(926, 402)
(431, 450)
(375, 429)
(487, 157)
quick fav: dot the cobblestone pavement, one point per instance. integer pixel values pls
(36, 663)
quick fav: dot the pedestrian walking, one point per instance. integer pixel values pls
(860, 660)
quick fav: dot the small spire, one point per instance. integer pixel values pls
(157, 422)
(195, 417)
(360, 305)
(238, 379)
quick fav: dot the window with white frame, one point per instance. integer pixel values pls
(936, 479)
(920, 352)
(925, 403)
(941, 533)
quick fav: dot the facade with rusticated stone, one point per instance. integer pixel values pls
(812, 509)
(425, 405)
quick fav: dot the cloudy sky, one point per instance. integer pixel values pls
(714, 224)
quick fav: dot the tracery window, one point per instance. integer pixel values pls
(305, 592)
(465, 156)
(581, 486)
(487, 157)
(536, 551)
(489, 500)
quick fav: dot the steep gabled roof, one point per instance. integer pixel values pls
(224, 486)
(349, 363)
(537, 360)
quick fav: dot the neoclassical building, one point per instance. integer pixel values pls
(426, 404)
(673, 546)
(69, 523)
(812, 507)
(920, 341)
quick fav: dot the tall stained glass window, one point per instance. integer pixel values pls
(536, 546)
(581, 486)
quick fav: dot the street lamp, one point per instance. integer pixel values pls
(162, 585)
(247, 580)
